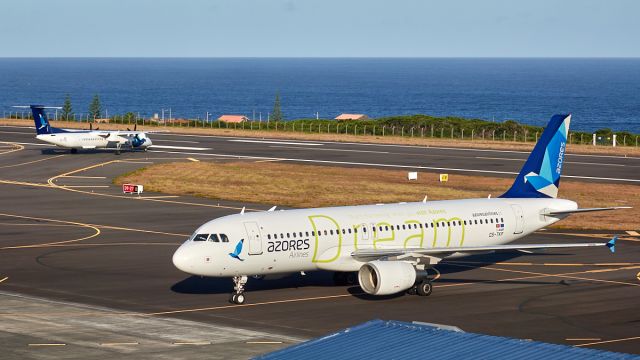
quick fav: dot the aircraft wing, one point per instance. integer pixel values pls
(564, 212)
(444, 251)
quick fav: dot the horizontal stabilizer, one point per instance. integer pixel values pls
(564, 212)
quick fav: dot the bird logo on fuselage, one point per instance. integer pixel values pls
(236, 253)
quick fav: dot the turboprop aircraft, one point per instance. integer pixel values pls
(87, 139)
(390, 246)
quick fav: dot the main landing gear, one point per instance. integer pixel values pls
(422, 288)
(237, 297)
(74, 150)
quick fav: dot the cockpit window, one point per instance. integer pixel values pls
(224, 238)
(201, 237)
(214, 238)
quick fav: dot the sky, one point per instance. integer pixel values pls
(320, 28)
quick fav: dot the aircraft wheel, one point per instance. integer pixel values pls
(240, 299)
(424, 288)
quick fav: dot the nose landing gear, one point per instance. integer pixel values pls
(237, 297)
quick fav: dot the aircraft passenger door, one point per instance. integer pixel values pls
(253, 238)
(519, 215)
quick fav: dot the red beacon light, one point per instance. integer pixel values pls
(132, 189)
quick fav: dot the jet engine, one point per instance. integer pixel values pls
(386, 277)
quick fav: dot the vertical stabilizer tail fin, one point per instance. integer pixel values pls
(40, 119)
(540, 175)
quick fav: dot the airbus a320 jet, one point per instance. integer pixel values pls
(87, 139)
(390, 246)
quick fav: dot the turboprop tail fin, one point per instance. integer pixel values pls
(540, 175)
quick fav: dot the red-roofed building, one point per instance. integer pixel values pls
(352, 117)
(233, 118)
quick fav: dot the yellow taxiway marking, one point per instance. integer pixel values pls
(247, 305)
(565, 275)
(192, 343)
(4, 279)
(633, 233)
(539, 264)
(11, 182)
(84, 177)
(119, 343)
(192, 159)
(97, 232)
(609, 341)
(51, 183)
(269, 160)
(49, 344)
(16, 147)
(30, 162)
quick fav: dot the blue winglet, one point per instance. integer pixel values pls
(611, 244)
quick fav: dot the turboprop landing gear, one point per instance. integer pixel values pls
(238, 295)
(74, 150)
(118, 149)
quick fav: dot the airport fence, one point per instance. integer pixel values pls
(417, 126)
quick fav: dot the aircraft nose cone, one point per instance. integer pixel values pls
(182, 260)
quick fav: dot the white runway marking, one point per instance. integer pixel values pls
(179, 147)
(275, 142)
(567, 162)
(178, 141)
(389, 165)
(331, 149)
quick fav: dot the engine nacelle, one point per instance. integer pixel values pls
(386, 277)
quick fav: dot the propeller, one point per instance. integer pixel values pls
(90, 126)
(135, 126)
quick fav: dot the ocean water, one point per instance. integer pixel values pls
(600, 93)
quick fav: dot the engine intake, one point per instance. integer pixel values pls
(386, 277)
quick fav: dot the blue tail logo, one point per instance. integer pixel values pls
(540, 175)
(611, 244)
(236, 253)
(40, 119)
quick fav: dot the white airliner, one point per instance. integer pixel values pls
(390, 246)
(87, 139)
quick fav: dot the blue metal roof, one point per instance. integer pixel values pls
(378, 339)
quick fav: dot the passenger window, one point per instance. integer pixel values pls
(325, 232)
(307, 233)
(501, 220)
(201, 237)
(364, 229)
(331, 232)
(281, 236)
(349, 230)
(355, 230)
(224, 238)
(492, 220)
(476, 221)
(269, 236)
(214, 238)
